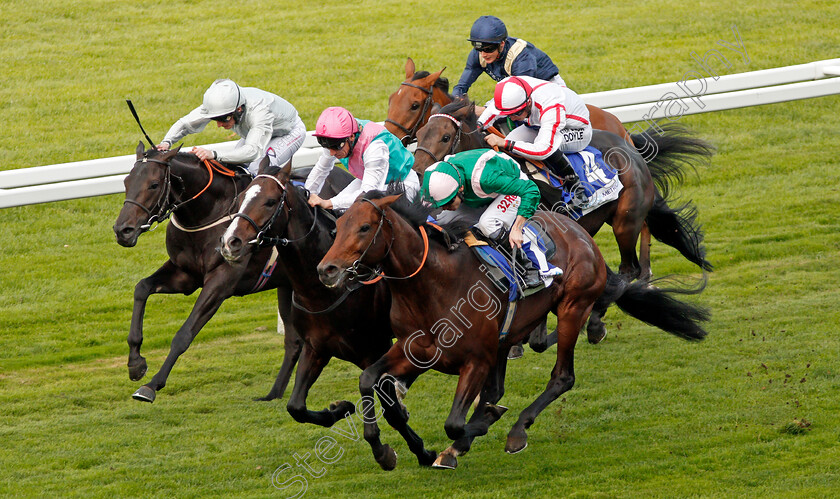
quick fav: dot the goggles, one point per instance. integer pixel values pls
(485, 47)
(224, 118)
(331, 143)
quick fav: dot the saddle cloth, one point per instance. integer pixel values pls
(599, 180)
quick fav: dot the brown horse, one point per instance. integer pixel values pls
(201, 201)
(447, 315)
(353, 325)
(638, 202)
(410, 106)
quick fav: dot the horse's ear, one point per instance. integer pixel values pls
(140, 150)
(409, 68)
(170, 153)
(387, 201)
(435, 76)
(436, 108)
(263, 164)
(285, 173)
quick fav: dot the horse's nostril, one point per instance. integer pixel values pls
(127, 231)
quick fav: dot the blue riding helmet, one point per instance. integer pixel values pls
(488, 29)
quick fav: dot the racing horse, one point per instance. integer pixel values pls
(353, 325)
(447, 315)
(455, 128)
(200, 199)
(411, 105)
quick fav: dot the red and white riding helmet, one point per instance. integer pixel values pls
(336, 123)
(512, 95)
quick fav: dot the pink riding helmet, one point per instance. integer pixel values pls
(336, 123)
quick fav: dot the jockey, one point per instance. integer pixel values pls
(268, 125)
(485, 181)
(500, 56)
(556, 122)
(370, 152)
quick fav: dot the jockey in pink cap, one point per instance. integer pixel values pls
(370, 152)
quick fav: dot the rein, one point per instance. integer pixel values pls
(411, 134)
(261, 239)
(353, 270)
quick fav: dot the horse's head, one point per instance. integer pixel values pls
(261, 205)
(409, 107)
(147, 188)
(444, 134)
(364, 236)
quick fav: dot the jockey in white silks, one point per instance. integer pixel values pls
(267, 124)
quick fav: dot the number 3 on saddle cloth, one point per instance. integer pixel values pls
(599, 180)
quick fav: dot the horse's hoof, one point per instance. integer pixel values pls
(388, 461)
(342, 408)
(495, 412)
(427, 458)
(138, 370)
(516, 352)
(596, 336)
(445, 461)
(516, 442)
(267, 398)
(144, 394)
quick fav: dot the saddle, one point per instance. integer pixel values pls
(497, 262)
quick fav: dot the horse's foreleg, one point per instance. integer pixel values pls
(382, 453)
(167, 279)
(292, 345)
(397, 415)
(216, 290)
(472, 377)
(569, 322)
(310, 366)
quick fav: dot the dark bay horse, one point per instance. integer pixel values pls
(447, 315)
(352, 325)
(410, 106)
(456, 129)
(201, 201)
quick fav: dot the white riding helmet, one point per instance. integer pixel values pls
(222, 98)
(512, 95)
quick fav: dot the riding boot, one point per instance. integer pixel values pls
(560, 165)
(529, 272)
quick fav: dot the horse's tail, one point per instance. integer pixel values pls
(668, 150)
(678, 228)
(655, 306)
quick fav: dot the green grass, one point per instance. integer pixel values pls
(752, 411)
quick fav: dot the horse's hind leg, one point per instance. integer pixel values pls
(646, 272)
(569, 322)
(167, 279)
(292, 346)
(216, 290)
(626, 232)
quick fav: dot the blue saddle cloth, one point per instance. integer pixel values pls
(595, 175)
(498, 260)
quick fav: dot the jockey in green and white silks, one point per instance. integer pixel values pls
(370, 152)
(491, 182)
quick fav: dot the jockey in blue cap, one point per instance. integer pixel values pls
(500, 56)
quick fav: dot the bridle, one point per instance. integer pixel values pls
(375, 274)
(411, 134)
(261, 239)
(164, 211)
(455, 143)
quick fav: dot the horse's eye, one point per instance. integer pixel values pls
(415, 106)
(270, 202)
(154, 186)
(445, 138)
(364, 228)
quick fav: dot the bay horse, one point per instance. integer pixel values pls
(447, 315)
(353, 325)
(201, 201)
(455, 128)
(410, 106)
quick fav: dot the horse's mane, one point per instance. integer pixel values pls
(303, 192)
(470, 121)
(416, 212)
(441, 83)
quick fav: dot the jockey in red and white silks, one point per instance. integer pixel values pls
(556, 118)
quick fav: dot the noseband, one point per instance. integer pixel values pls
(455, 143)
(162, 212)
(411, 134)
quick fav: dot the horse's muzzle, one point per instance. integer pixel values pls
(126, 235)
(331, 275)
